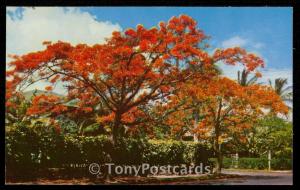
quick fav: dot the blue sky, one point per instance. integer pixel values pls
(265, 31)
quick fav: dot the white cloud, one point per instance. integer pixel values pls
(272, 74)
(40, 24)
(234, 41)
(25, 32)
(230, 71)
(258, 45)
(242, 42)
(250, 45)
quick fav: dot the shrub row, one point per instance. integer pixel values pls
(257, 163)
(164, 152)
(29, 154)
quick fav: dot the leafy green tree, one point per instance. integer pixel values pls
(275, 134)
(269, 133)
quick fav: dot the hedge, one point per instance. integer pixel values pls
(30, 154)
(171, 152)
(257, 163)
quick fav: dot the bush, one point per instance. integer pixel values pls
(253, 163)
(21, 154)
(32, 154)
(281, 164)
(164, 152)
(228, 162)
(171, 152)
(257, 163)
(81, 149)
(129, 151)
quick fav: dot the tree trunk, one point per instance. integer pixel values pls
(113, 156)
(219, 162)
(217, 147)
(218, 152)
(196, 119)
(116, 129)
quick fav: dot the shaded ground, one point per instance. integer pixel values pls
(229, 177)
(157, 180)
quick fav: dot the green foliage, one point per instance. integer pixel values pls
(274, 134)
(33, 146)
(253, 163)
(91, 128)
(29, 152)
(269, 133)
(257, 163)
(16, 113)
(67, 125)
(130, 151)
(281, 164)
(161, 131)
(82, 149)
(228, 163)
(165, 152)
(175, 152)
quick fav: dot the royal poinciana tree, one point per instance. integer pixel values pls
(231, 108)
(129, 70)
(218, 110)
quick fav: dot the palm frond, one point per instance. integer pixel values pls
(279, 86)
(287, 89)
(243, 78)
(253, 80)
(270, 83)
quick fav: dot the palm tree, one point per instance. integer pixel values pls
(282, 90)
(243, 78)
